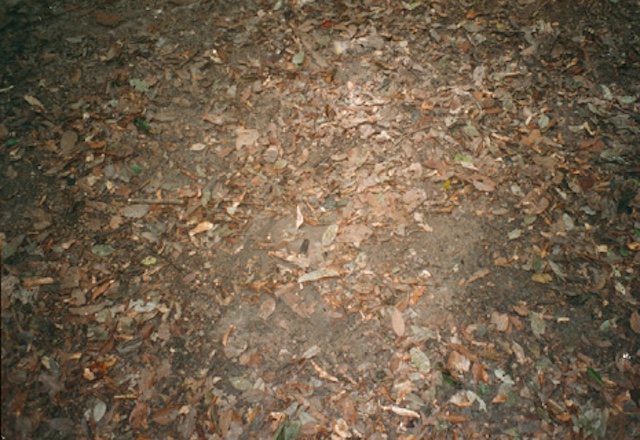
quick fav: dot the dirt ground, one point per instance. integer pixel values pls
(320, 219)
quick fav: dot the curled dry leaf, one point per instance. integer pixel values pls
(201, 227)
(401, 411)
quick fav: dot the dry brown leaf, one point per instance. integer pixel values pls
(416, 294)
(542, 278)
(165, 416)
(267, 308)
(500, 398)
(349, 411)
(483, 184)
(323, 374)
(354, 234)
(397, 322)
(246, 137)
(455, 418)
(227, 334)
(201, 227)
(35, 282)
(135, 211)
(521, 309)
(106, 18)
(501, 321)
(401, 411)
(479, 274)
(458, 362)
(138, 416)
(479, 373)
(634, 322)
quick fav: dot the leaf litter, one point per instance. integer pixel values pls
(312, 220)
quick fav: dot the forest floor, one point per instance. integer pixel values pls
(293, 220)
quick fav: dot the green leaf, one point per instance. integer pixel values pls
(595, 375)
(287, 431)
(142, 125)
(136, 169)
(11, 142)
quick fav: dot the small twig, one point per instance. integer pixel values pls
(157, 201)
(113, 231)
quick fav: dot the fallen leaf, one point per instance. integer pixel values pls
(500, 398)
(401, 411)
(318, 275)
(267, 308)
(479, 274)
(538, 325)
(33, 101)
(135, 211)
(355, 234)
(246, 137)
(420, 360)
(542, 278)
(106, 18)
(299, 217)
(455, 418)
(484, 184)
(35, 282)
(397, 322)
(458, 362)
(501, 321)
(329, 235)
(201, 227)
(634, 322)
